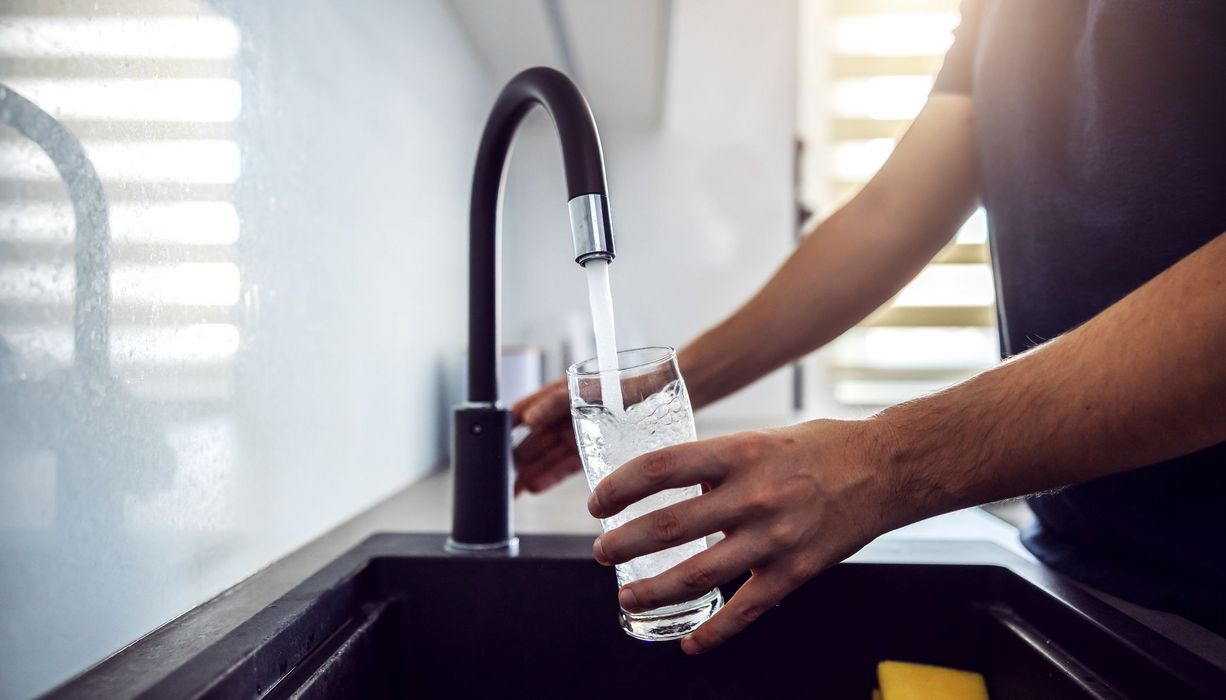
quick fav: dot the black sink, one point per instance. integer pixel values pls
(397, 617)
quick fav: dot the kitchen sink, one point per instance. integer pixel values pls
(398, 617)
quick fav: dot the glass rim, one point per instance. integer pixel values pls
(667, 353)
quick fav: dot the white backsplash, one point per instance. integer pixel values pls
(287, 190)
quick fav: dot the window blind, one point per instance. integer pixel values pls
(867, 67)
(149, 90)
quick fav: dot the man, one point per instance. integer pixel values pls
(1094, 133)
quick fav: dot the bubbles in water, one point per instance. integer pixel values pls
(607, 440)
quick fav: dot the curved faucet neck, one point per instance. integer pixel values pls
(583, 161)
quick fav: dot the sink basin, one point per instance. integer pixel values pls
(397, 617)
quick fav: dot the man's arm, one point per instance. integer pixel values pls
(846, 267)
(1140, 383)
(853, 261)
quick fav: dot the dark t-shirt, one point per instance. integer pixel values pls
(1101, 136)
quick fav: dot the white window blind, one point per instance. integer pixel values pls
(150, 92)
(149, 89)
(867, 66)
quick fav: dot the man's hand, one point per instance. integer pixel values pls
(549, 453)
(791, 501)
(796, 500)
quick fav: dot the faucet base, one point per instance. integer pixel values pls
(508, 547)
(481, 479)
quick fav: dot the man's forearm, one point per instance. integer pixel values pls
(1142, 382)
(853, 262)
(802, 307)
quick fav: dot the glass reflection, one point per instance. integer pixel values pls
(117, 343)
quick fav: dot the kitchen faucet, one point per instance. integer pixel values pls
(481, 454)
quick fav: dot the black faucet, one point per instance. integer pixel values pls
(481, 455)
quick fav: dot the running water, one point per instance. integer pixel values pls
(600, 297)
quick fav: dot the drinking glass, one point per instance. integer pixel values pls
(656, 413)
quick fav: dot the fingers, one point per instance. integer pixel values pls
(667, 527)
(672, 467)
(691, 578)
(542, 408)
(564, 468)
(552, 468)
(542, 441)
(544, 452)
(548, 454)
(760, 593)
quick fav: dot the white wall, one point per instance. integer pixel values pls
(703, 206)
(268, 384)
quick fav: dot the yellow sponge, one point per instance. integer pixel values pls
(900, 680)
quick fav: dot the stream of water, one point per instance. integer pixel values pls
(600, 297)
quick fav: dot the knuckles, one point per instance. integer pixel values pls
(746, 614)
(608, 496)
(750, 447)
(697, 578)
(782, 534)
(665, 526)
(657, 466)
(759, 501)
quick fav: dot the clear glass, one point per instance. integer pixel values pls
(657, 414)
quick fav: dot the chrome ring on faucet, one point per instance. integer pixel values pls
(591, 227)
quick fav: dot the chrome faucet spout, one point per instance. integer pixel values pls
(481, 454)
(591, 228)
